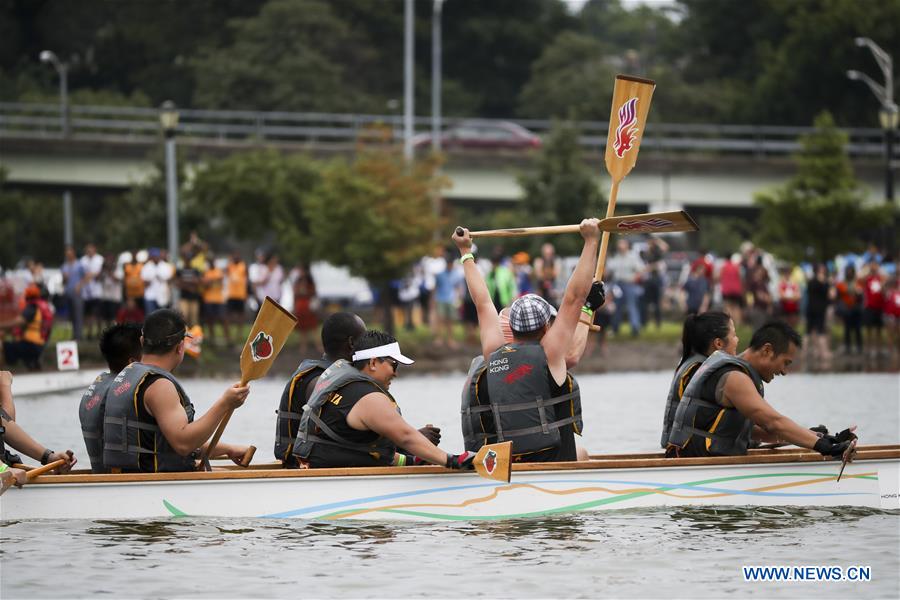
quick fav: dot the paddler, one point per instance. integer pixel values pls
(352, 420)
(701, 335)
(532, 369)
(120, 345)
(339, 334)
(723, 405)
(149, 424)
(18, 439)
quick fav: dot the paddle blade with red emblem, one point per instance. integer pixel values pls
(270, 331)
(494, 461)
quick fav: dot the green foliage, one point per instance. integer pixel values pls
(295, 55)
(570, 79)
(560, 189)
(821, 211)
(260, 196)
(32, 226)
(373, 215)
(723, 235)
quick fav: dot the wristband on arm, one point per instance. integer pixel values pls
(465, 257)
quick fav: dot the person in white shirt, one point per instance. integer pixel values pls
(92, 290)
(156, 275)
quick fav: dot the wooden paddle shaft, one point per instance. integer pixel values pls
(211, 447)
(604, 239)
(44, 469)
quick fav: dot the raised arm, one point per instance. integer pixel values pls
(557, 340)
(488, 320)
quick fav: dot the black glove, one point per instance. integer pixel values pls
(462, 461)
(828, 446)
(432, 433)
(596, 297)
(820, 430)
(843, 436)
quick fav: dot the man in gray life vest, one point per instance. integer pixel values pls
(723, 405)
(149, 423)
(530, 398)
(120, 345)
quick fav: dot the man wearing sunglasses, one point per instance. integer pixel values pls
(351, 420)
(149, 424)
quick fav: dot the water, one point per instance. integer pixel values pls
(675, 552)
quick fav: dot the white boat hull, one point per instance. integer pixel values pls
(436, 495)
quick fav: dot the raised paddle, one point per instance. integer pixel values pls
(494, 461)
(657, 222)
(627, 121)
(847, 457)
(270, 331)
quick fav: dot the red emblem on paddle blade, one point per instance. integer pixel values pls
(644, 225)
(261, 348)
(627, 128)
(490, 462)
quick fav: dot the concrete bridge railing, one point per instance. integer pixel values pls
(44, 121)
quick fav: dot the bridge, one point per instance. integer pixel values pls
(704, 168)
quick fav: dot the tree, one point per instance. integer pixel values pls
(32, 226)
(260, 196)
(572, 78)
(561, 189)
(295, 55)
(374, 216)
(821, 211)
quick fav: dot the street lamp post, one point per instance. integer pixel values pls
(408, 98)
(436, 76)
(885, 95)
(63, 70)
(168, 119)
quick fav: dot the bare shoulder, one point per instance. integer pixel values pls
(159, 393)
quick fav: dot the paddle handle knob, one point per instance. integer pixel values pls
(248, 456)
(460, 231)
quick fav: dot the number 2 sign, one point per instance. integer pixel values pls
(67, 356)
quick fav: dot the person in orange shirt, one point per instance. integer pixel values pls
(132, 280)
(849, 307)
(236, 293)
(213, 286)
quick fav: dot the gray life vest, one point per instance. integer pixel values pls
(729, 431)
(339, 374)
(477, 425)
(90, 412)
(522, 404)
(680, 381)
(290, 409)
(125, 419)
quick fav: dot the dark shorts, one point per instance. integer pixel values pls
(108, 310)
(734, 299)
(213, 311)
(873, 317)
(93, 307)
(236, 307)
(815, 323)
(26, 352)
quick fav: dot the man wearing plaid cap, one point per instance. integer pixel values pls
(531, 399)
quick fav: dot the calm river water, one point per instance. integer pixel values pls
(669, 553)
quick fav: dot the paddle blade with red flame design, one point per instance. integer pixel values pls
(627, 121)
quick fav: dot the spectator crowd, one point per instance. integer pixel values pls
(647, 283)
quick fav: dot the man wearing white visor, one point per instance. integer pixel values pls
(351, 420)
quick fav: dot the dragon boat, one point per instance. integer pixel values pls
(782, 477)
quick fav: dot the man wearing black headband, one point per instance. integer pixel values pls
(149, 424)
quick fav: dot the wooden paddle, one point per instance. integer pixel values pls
(32, 473)
(627, 121)
(658, 222)
(270, 331)
(494, 461)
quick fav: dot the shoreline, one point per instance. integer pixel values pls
(619, 355)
